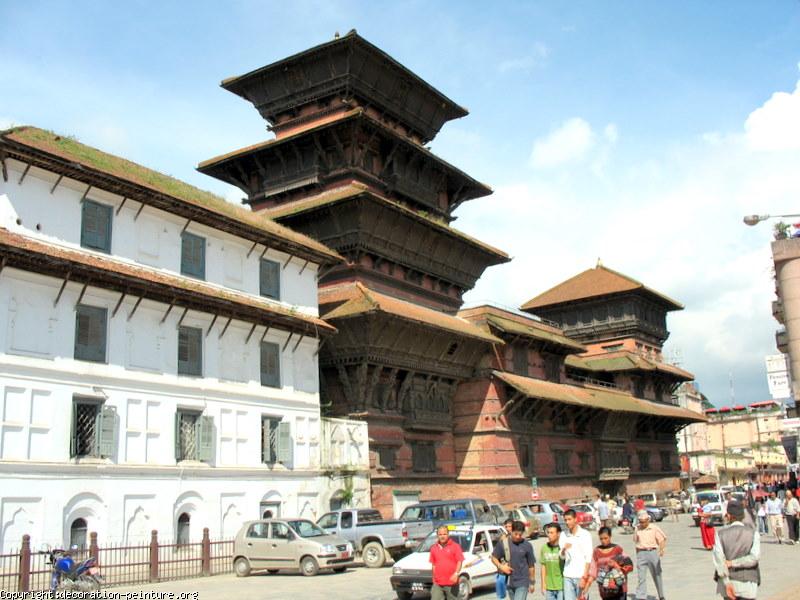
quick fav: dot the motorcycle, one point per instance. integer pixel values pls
(67, 574)
(627, 526)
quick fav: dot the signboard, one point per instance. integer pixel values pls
(790, 423)
(778, 376)
(534, 482)
(535, 494)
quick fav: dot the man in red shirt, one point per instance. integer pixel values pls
(446, 558)
(638, 506)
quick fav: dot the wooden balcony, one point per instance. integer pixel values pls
(614, 474)
(428, 420)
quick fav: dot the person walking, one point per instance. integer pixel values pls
(596, 510)
(628, 513)
(775, 516)
(736, 554)
(762, 517)
(501, 579)
(650, 542)
(610, 567)
(791, 508)
(446, 559)
(603, 511)
(576, 548)
(516, 560)
(552, 564)
(706, 528)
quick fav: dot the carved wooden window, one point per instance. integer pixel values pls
(190, 351)
(562, 461)
(386, 457)
(90, 333)
(193, 255)
(423, 457)
(96, 226)
(666, 460)
(520, 359)
(552, 368)
(638, 387)
(561, 422)
(527, 451)
(584, 457)
(270, 279)
(270, 364)
(644, 460)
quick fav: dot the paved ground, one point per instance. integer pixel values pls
(687, 568)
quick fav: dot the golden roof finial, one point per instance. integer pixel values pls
(599, 263)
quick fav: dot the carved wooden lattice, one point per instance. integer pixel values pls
(85, 429)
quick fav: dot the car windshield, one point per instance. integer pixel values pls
(526, 512)
(709, 496)
(581, 508)
(462, 538)
(306, 529)
(556, 507)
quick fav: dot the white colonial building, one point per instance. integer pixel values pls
(158, 357)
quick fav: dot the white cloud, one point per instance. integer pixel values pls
(775, 126)
(672, 220)
(6, 123)
(568, 143)
(536, 57)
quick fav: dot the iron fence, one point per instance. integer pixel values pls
(25, 570)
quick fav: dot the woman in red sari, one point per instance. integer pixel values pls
(610, 567)
(707, 534)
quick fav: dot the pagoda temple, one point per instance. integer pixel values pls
(458, 402)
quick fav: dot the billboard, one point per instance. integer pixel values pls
(778, 376)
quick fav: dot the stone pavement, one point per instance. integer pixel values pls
(687, 568)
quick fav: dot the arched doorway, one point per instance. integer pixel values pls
(183, 529)
(77, 534)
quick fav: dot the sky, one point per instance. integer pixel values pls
(634, 132)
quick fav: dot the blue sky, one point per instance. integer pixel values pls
(637, 132)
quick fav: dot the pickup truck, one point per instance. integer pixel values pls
(370, 535)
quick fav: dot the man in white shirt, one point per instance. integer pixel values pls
(775, 516)
(576, 549)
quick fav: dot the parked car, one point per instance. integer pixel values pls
(652, 506)
(585, 516)
(533, 528)
(413, 573)
(716, 500)
(546, 511)
(500, 513)
(288, 544)
(447, 512)
(371, 536)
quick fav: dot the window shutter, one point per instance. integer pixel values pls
(284, 442)
(90, 333)
(265, 440)
(178, 456)
(270, 364)
(205, 438)
(96, 226)
(190, 351)
(105, 437)
(270, 279)
(73, 434)
(193, 255)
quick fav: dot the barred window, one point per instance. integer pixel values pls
(269, 439)
(644, 460)
(270, 279)
(562, 462)
(423, 457)
(190, 351)
(96, 226)
(386, 457)
(666, 460)
(584, 456)
(520, 357)
(90, 333)
(94, 429)
(194, 436)
(193, 255)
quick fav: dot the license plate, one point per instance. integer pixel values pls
(417, 587)
(345, 555)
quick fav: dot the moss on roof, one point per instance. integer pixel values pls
(69, 149)
(625, 360)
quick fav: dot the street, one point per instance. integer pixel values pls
(688, 573)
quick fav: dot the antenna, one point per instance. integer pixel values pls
(733, 393)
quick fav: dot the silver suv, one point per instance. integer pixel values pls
(281, 544)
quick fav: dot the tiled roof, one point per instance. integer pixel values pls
(599, 281)
(625, 360)
(92, 160)
(595, 397)
(357, 299)
(518, 325)
(340, 194)
(44, 256)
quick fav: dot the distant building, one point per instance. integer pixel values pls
(158, 354)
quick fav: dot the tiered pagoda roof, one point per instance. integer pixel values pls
(625, 360)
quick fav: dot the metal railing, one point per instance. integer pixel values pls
(26, 570)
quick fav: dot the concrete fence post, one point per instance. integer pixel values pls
(154, 555)
(94, 551)
(25, 564)
(206, 557)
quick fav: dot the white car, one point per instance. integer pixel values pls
(413, 573)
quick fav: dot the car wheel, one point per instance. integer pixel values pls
(404, 595)
(339, 569)
(241, 566)
(463, 588)
(272, 571)
(373, 555)
(309, 566)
